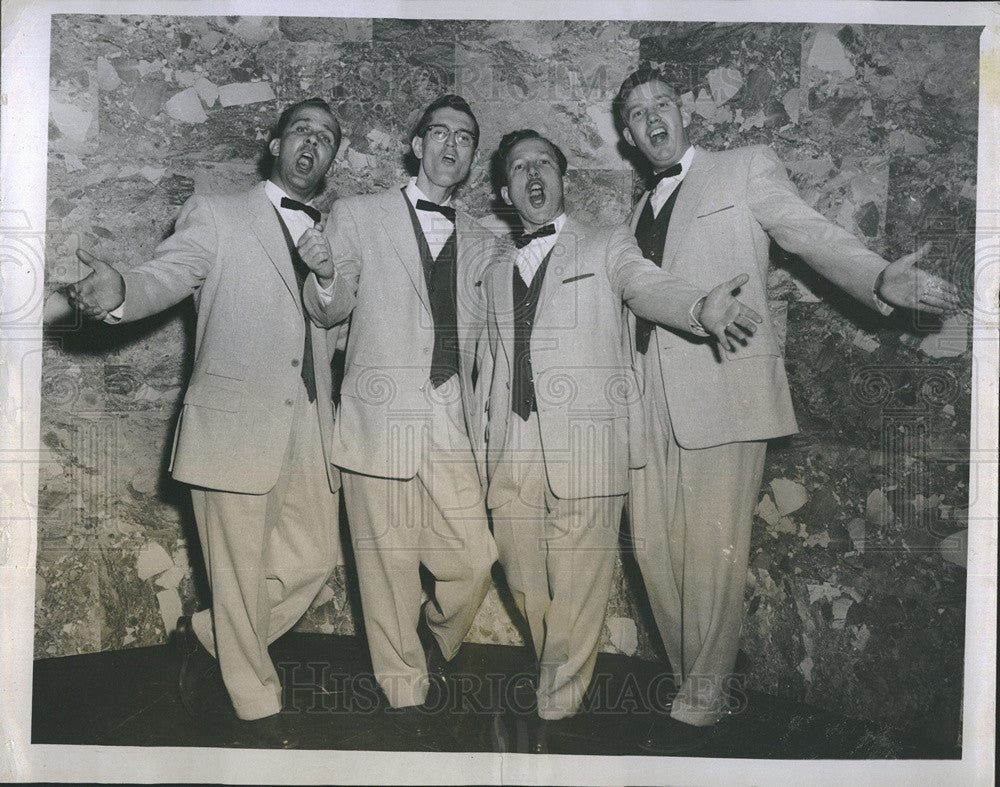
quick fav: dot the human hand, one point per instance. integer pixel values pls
(100, 292)
(725, 317)
(903, 284)
(314, 249)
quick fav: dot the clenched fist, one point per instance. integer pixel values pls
(315, 251)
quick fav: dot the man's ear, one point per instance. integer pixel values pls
(417, 146)
(686, 115)
(505, 195)
(627, 133)
(274, 146)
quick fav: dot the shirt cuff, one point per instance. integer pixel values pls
(115, 315)
(324, 294)
(696, 327)
(884, 308)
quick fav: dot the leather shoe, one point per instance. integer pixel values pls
(198, 676)
(270, 732)
(669, 736)
(414, 721)
(545, 731)
(497, 734)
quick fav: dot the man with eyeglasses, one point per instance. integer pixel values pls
(405, 265)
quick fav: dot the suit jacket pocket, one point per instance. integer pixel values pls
(213, 397)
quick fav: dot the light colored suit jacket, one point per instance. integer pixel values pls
(230, 253)
(386, 396)
(730, 206)
(584, 383)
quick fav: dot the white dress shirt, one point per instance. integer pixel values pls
(436, 227)
(529, 259)
(668, 186)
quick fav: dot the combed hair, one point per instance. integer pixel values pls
(447, 101)
(507, 144)
(645, 73)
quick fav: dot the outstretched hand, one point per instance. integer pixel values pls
(314, 249)
(725, 318)
(903, 284)
(100, 292)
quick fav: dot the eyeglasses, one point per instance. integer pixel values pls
(463, 138)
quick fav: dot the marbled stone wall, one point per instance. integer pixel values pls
(855, 594)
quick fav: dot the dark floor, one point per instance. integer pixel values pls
(129, 698)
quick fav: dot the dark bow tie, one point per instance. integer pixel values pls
(444, 210)
(522, 239)
(294, 204)
(670, 172)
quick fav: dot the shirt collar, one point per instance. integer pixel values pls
(275, 193)
(414, 193)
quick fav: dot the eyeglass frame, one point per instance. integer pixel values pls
(450, 132)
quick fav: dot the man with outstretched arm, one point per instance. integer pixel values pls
(561, 408)
(710, 215)
(257, 415)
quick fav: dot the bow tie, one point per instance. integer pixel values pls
(670, 172)
(294, 204)
(522, 239)
(444, 210)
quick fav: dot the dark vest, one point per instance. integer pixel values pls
(522, 384)
(651, 234)
(441, 278)
(301, 272)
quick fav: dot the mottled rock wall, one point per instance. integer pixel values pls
(855, 594)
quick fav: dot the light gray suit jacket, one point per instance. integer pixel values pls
(379, 283)
(229, 252)
(730, 206)
(585, 386)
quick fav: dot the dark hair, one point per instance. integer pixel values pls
(499, 165)
(266, 161)
(645, 73)
(447, 101)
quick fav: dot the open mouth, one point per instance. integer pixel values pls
(536, 194)
(658, 136)
(449, 158)
(304, 163)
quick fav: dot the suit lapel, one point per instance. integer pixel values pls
(690, 196)
(501, 284)
(562, 264)
(399, 230)
(267, 229)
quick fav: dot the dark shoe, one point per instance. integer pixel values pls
(437, 664)
(545, 732)
(198, 678)
(414, 721)
(520, 706)
(669, 736)
(497, 734)
(271, 732)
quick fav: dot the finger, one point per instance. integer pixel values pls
(750, 314)
(94, 263)
(747, 326)
(737, 281)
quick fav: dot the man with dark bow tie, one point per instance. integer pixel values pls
(708, 414)
(560, 408)
(257, 416)
(405, 266)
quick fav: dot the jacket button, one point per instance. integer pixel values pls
(289, 402)
(295, 363)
